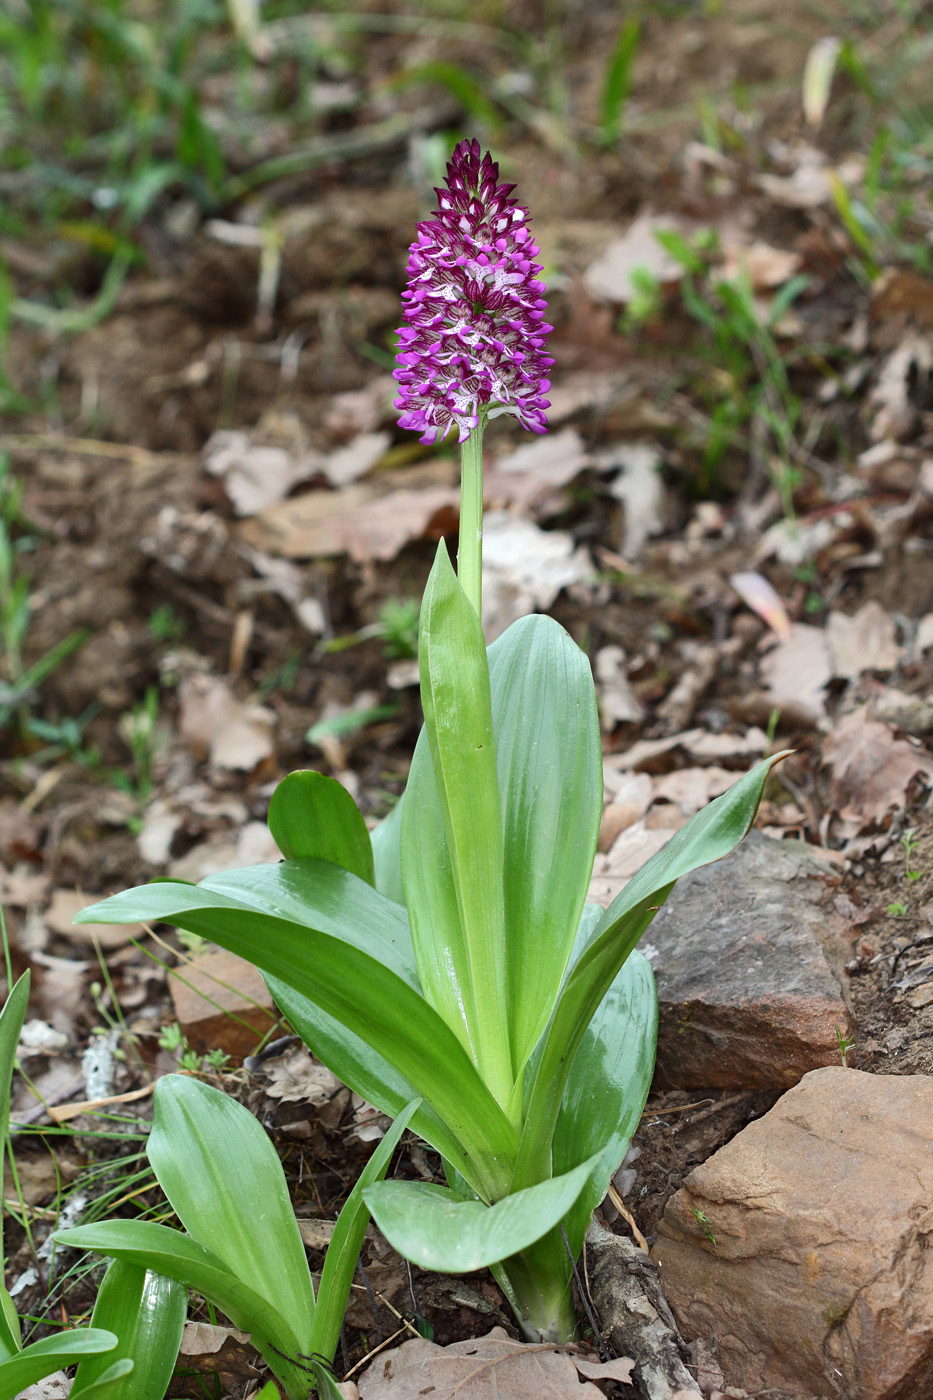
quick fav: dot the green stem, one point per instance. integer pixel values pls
(537, 1283)
(470, 547)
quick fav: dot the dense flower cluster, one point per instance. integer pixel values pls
(474, 342)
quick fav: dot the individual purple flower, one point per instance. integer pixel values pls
(473, 345)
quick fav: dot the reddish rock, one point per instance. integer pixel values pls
(747, 999)
(803, 1244)
(221, 1003)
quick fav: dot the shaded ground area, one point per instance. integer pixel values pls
(222, 535)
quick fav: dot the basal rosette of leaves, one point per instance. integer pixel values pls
(450, 955)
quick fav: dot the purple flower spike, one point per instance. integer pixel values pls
(474, 342)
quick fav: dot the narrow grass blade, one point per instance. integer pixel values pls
(11, 1024)
(311, 815)
(471, 957)
(234, 1202)
(551, 784)
(33, 1363)
(433, 1228)
(146, 1311)
(343, 1252)
(707, 837)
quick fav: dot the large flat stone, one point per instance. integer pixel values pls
(747, 999)
(803, 1245)
(222, 1003)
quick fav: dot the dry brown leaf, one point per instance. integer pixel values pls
(872, 770)
(256, 475)
(23, 886)
(368, 520)
(537, 470)
(297, 1078)
(617, 702)
(629, 852)
(890, 400)
(67, 903)
(205, 1338)
(486, 1368)
(691, 788)
(252, 844)
(765, 267)
(215, 725)
(360, 410)
(524, 569)
(357, 459)
(866, 641)
(609, 278)
(797, 671)
(640, 487)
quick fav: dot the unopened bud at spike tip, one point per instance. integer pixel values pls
(474, 339)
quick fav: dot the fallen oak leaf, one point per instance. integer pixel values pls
(872, 770)
(484, 1368)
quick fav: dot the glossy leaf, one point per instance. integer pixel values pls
(463, 968)
(607, 1087)
(387, 859)
(361, 1067)
(146, 1311)
(350, 985)
(313, 816)
(112, 1384)
(551, 784)
(433, 1228)
(177, 1256)
(224, 1181)
(707, 837)
(39, 1360)
(343, 1252)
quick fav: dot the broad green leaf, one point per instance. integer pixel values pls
(314, 816)
(387, 859)
(146, 1311)
(113, 1383)
(433, 1228)
(224, 1181)
(177, 1256)
(551, 787)
(39, 1360)
(431, 896)
(470, 958)
(343, 1252)
(11, 1023)
(707, 837)
(357, 1064)
(350, 985)
(607, 1088)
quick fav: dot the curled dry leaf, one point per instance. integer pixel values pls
(486, 1368)
(765, 267)
(367, 520)
(204, 1338)
(527, 477)
(872, 770)
(216, 725)
(617, 703)
(67, 903)
(525, 568)
(797, 670)
(609, 278)
(867, 641)
(297, 1078)
(256, 475)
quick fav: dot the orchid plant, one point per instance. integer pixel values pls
(450, 955)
